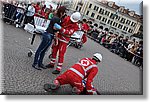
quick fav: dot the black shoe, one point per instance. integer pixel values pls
(42, 66)
(36, 67)
(56, 72)
(49, 66)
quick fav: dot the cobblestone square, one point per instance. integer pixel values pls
(115, 76)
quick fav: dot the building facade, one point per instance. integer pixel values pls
(109, 16)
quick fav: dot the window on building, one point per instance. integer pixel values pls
(122, 20)
(108, 21)
(100, 17)
(128, 22)
(141, 28)
(120, 26)
(116, 24)
(92, 15)
(79, 9)
(96, 8)
(117, 17)
(130, 30)
(133, 24)
(105, 20)
(107, 13)
(76, 8)
(97, 17)
(125, 28)
(111, 22)
(101, 11)
(112, 16)
(90, 5)
(87, 12)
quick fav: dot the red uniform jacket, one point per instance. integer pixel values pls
(46, 15)
(86, 68)
(42, 13)
(85, 27)
(68, 28)
(37, 8)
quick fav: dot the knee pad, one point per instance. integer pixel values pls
(55, 85)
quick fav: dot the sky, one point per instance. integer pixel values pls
(130, 4)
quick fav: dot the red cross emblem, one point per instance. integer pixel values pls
(85, 62)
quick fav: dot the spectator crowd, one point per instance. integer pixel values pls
(130, 50)
(22, 13)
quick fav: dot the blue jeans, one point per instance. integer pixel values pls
(40, 52)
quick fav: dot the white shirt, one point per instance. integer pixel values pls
(31, 11)
(130, 46)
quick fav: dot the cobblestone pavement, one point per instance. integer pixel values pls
(115, 76)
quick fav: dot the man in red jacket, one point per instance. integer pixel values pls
(69, 26)
(37, 7)
(85, 28)
(86, 68)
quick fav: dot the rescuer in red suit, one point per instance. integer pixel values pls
(85, 28)
(86, 68)
(69, 26)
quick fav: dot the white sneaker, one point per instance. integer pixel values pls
(16, 20)
(17, 25)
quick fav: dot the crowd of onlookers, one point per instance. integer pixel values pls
(131, 50)
(17, 12)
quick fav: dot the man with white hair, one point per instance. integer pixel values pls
(86, 68)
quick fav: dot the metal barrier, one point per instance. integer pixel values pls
(41, 22)
(9, 12)
(41, 25)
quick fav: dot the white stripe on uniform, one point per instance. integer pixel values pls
(77, 72)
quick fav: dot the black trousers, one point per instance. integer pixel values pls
(29, 19)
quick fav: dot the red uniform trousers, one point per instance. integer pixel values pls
(69, 77)
(61, 47)
(84, 38)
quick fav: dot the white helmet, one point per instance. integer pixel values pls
(98, 56)
(75, 17)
